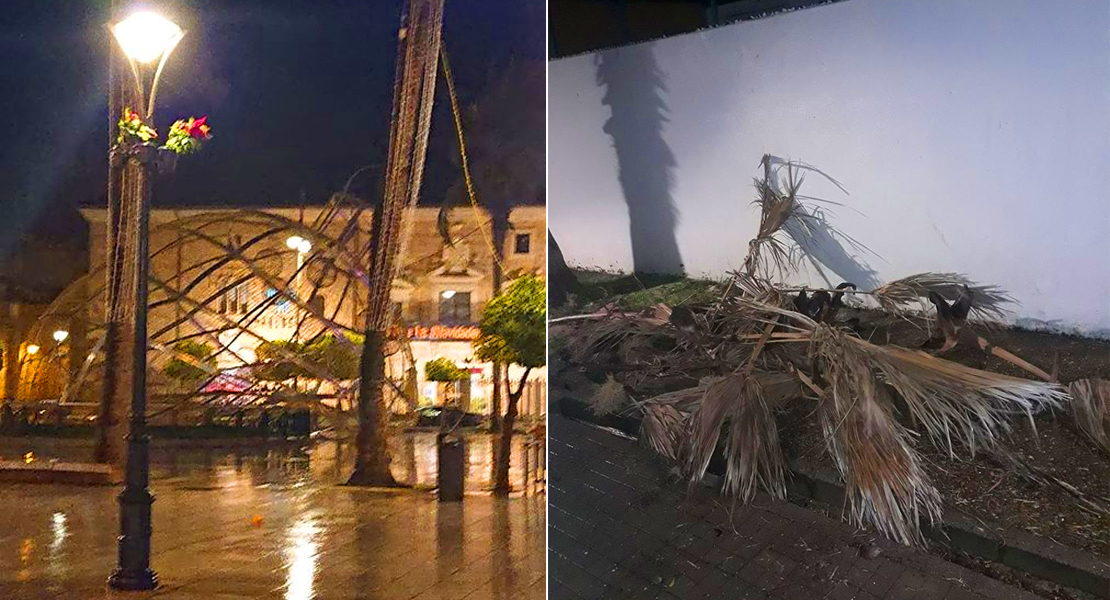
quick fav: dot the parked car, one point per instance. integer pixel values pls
(433, 416)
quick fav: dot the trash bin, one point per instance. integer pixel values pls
(451, 452)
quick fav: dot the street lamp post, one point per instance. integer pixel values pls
(144, 37)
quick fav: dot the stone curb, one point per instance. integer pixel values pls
(1017, 549)
(57, 472)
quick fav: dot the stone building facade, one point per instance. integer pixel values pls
(297, 268)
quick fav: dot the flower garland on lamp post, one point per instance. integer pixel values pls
(144, 38)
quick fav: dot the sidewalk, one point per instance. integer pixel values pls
(622, 527)
(315, 540)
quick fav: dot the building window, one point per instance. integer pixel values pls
(523, 243)
(234, 300)
(454, 308)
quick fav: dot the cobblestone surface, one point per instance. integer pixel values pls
(622, 527)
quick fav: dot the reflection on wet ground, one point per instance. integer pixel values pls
(270, 523)
(202, 464)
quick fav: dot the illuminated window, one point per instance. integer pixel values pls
(454, 309)
(234, 300)
(523, 243)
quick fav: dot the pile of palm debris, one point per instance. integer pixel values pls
(881, 409)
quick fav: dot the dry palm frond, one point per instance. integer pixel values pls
(1090, 409)
(753, 453)
(766, 252)
(953, 400)
(608, 397)
(758, 290)
(883, 474)
(665, 417)
(988, 303)
(609, 333)
(662, 428)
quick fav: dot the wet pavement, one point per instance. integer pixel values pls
(272, 523)
(622, 527)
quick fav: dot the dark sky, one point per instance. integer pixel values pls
(298, 94)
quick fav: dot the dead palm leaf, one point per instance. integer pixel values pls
(951, 400)
(896, 295)
(608, 397)
(885, 482)
(752, 451)
(1090, 409)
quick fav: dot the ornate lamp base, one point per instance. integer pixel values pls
(133, 581)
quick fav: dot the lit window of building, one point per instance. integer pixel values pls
(454, 308)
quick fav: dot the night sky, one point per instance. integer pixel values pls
(298, 94)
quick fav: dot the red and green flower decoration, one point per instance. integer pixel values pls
(133, 130)
(185, 137)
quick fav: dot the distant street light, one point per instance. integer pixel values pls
(32, 349)
(60, 335)
(298, 243)
(144, 37)
(302, 246)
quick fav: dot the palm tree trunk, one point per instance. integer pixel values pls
(371, 442)
(414, 82)
(561, 279)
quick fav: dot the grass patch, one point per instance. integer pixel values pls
(636, 292)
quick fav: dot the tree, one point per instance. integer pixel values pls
(443, 370)
(192, 362)
(326, 355)
(512, 331)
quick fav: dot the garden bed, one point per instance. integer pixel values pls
(985, 489)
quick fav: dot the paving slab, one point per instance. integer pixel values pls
(609, 496)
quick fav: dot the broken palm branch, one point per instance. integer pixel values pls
(886, 484)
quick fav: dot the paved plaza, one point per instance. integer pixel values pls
(275, 525)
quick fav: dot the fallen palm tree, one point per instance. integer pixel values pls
(761, 345)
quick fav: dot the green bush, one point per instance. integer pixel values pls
(441, 369)
(192, 362)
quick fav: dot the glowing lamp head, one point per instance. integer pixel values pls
(60, 335)
(145, 36)
(298, 243)
(448, 294)
(32, 349)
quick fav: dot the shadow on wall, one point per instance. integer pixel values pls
(821, 242)
(633, 91)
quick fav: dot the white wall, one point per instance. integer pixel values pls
(972, 137)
